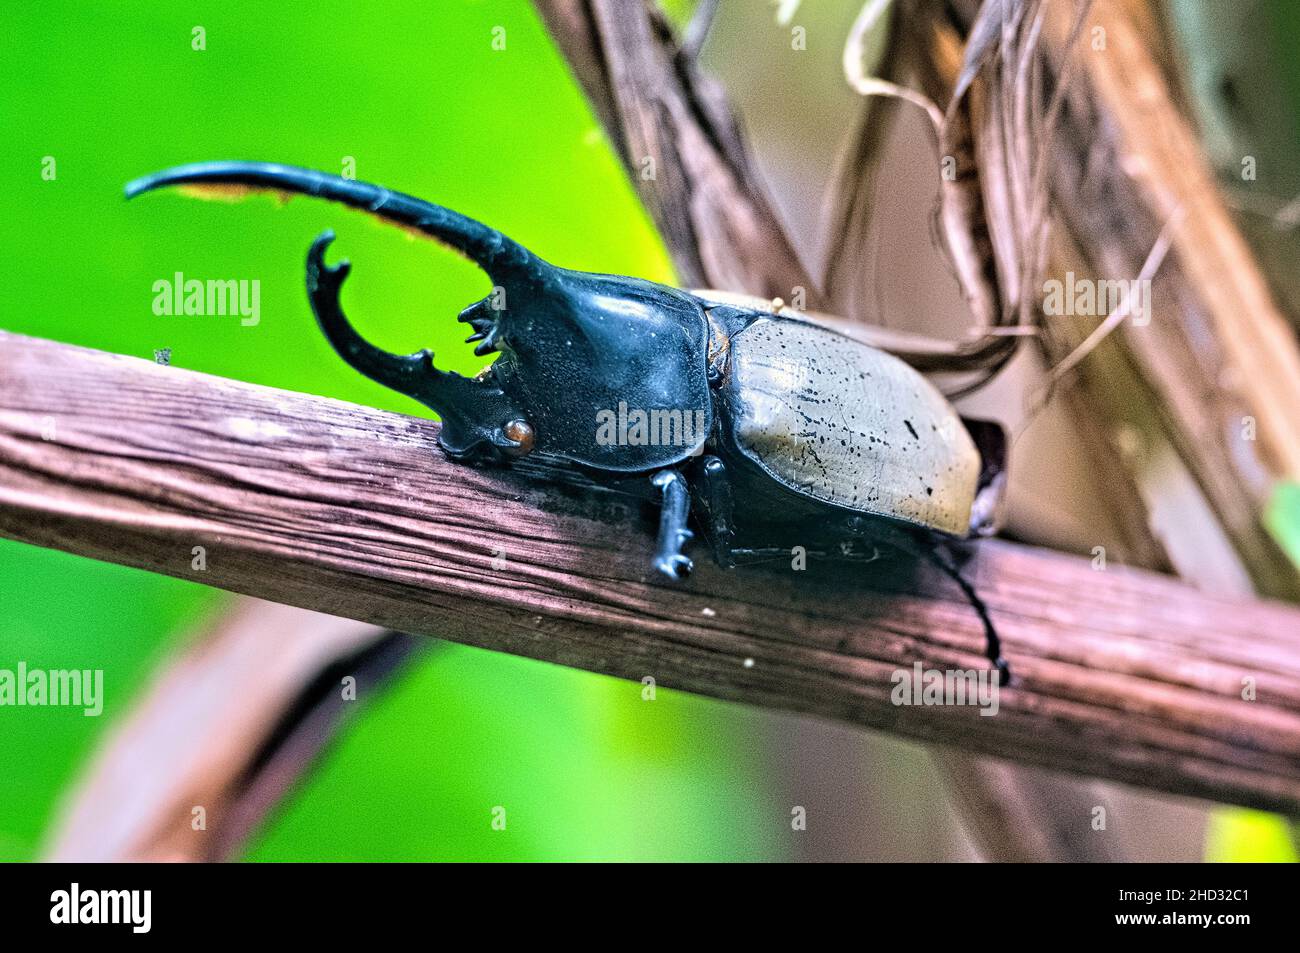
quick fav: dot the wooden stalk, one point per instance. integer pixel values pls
(1122, 674)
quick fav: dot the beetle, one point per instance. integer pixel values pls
(765, 425)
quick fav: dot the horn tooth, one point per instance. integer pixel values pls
(489, 343)
(485, 330)
(475, 315)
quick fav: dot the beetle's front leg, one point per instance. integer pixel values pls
(673, 534)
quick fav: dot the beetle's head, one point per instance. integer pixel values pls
(602, 370)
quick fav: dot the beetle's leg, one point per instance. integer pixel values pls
(712, 492)
(992, 644)
(673, 534)
(931, 550)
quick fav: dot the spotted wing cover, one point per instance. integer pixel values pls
(847, 424)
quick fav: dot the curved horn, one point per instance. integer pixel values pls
(475, 414)
(499, 256)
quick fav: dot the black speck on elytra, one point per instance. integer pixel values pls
(911, 429)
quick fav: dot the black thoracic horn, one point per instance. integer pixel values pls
(505, 261)
(475, 413)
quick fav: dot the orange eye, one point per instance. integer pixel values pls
(521, 433)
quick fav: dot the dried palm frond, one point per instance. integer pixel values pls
(993, 139)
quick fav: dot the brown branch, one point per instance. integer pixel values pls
(1028, 815)
(1142, 453)
(1217, 351)
(227, 726)
(675, 133)
(312, 502)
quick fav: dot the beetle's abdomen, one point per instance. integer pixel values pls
(847, 424)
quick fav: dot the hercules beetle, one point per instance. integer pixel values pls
(804, 431)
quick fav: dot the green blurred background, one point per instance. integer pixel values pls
(414, 93)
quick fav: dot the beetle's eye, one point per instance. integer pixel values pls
(521, 432)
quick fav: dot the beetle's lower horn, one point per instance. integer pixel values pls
(502, 258)
(406, 373)
(476, 415)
